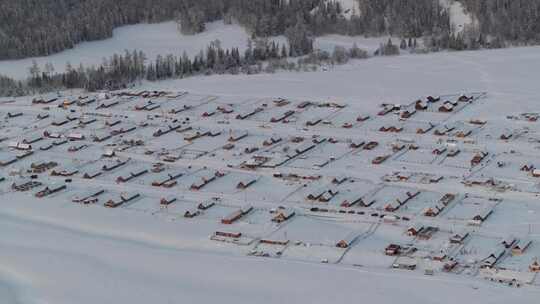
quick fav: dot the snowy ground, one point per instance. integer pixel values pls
(163, 39)
(152, 39)
(140, 252)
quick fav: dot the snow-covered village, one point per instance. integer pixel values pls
(360, 168)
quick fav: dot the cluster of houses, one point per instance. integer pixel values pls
(236, 215)
(439, 206)
(270, 150)
(401, 200)
(206, 179)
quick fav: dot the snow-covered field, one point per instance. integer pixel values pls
(53, 250)
(163, 39)
(152, 39)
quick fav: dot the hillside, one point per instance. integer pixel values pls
(38, 28)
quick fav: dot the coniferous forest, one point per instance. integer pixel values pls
(43, 27)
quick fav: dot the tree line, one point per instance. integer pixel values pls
(123, 70)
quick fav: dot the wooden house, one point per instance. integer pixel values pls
(535, 266)
(440, 256)
(304, 104)
(338, 180)
(450, 265)
(355, 144)
(243, 184)
(191, 213)
(350, 201)
(443, 130)
(283, 215)
(432, 99)
(520, 247)
(361, 118)
(408, 113)
(477, 158)
(249, 113)
(316, 194)
(439, 150)
(275, 242)
(283, 116)
(304, 148)
(75, 136)
(452, 152)
(107, 104)
(198, 185)
(465, 98)
(380, 159)
(92, 174)
(415, 229)
(20, 146)
(313, 122)
(431, 211)
(225, 109)
(390, 128)
(476, 121)
(328, 195)
(236, 136)
(85, 101)
(392, 249)
(114, 165)
(280, 102)
(528, 167)
(124, 198)
(447, 198)
(392, 206)
(236, 215)
(491, 260)
(272, 140)
(234, 235)
(425, 128)
(205, 205)
(407, 263)
(347, 240)
(113, 203)
(50, 190)
(446, 107)
(506, 135)
(166, 201)
(396, 147)
(481, 215)
(366, 201)
(42, 116)
(371, 145)
(32, 139)
(420, 105)
(427, 233)
(508, 241)
(459, 237)
(64, 172)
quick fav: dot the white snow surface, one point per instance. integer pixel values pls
(45, 260)
(163, 39)
(153, 39)
(508, 74)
